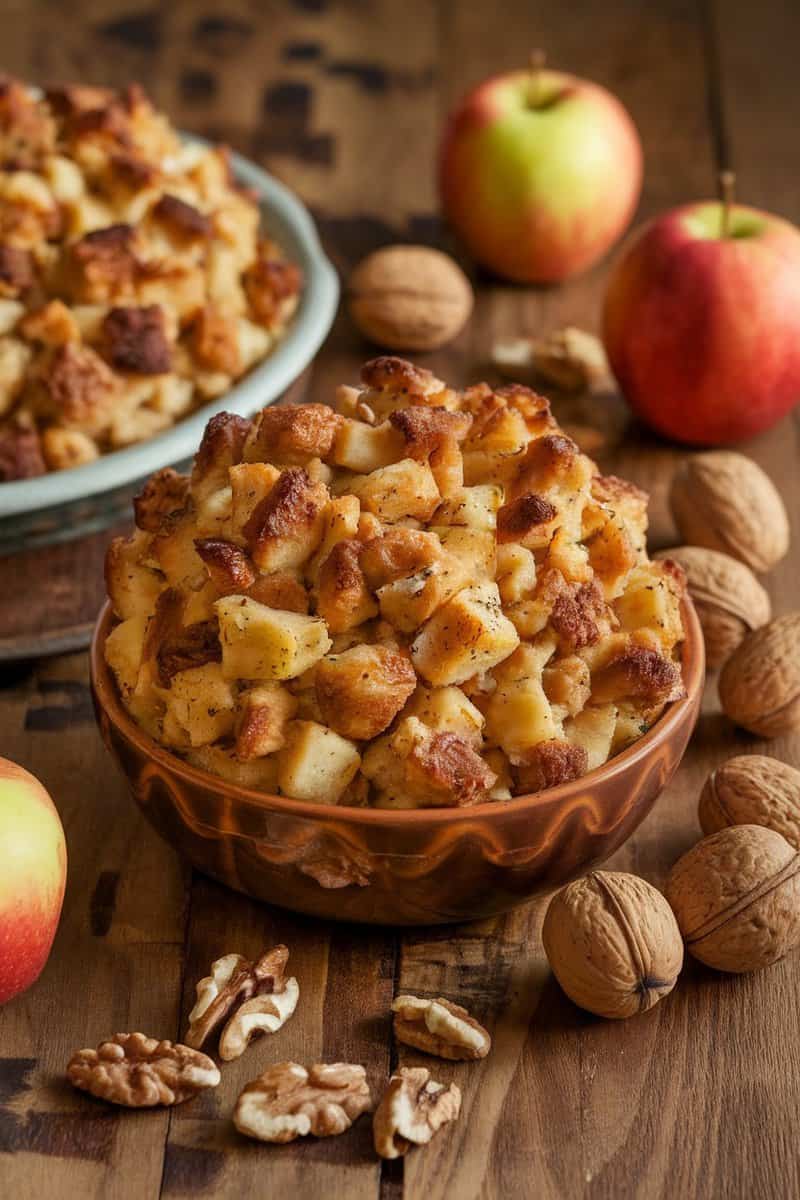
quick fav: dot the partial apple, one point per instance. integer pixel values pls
(34, 867)
(539, 173)
(702, 322)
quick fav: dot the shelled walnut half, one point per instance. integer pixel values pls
(413, 1108)
(287, 1101)
(137, 1071)
(439, 1027)
(252, 998)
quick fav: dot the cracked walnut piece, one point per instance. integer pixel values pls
(233, 982)
(413, 1108)
(287, 1101)
(140, 1072)
(261, 1014)
(439, 1027)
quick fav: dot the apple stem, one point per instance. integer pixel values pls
(537, 62)
(727, 187)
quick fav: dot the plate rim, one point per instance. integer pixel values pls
(260, 387)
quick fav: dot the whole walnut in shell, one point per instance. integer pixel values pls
(730, 601)
(736, 896)
(759, 687)
(613, 943)
(752, 789)
(409, 298)
(724, 501)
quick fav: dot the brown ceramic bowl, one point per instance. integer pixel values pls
(417, 867)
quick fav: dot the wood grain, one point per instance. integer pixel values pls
(698, 1097)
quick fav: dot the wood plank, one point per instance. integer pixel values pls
(696, 1098)
(568, 1105)
(345, 976)
(115, 965)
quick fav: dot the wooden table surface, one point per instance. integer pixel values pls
(698, 1098)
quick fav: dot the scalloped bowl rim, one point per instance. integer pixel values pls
(263, 383)
(107, 699)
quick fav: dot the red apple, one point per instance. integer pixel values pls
(32, 877)
(540, 172)
(702, 324)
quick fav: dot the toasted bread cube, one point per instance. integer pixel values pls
(404, 489)
(213, 515)
(341, 521)
(474, 548)
(447, 708)
(567, 684)
(530, 520)
(176, 554)
(652, 601)
(291, 434)
(132, 587)
(199, 603)
(123, 652)
(286, 528)
(202, 702)
(529, 616)
(465, 637)
(417, 767)
(343, 597)
(498, 763)
(518, 716)
(612, 556)
(363, 448)
(281, 590)
(261, 774)
(267, 643)
(593, 729)
(476, 507)
(250, 484)
(263, 715)
(220, 449)
(408, 603)
(316, 764)
(361, 691)
(515, 573)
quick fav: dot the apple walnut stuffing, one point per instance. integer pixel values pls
(419, 597)
(134, 284)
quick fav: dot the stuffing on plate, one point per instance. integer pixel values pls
(417, 597)
(134, 282)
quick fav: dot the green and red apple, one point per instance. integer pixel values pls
(702, 322)
(34, 867)
(540, 173)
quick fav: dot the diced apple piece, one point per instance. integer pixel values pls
(404, 489)
(476, 507)
(465, 637)
(267, 643)
(364, 448)
(202, 703)
(447, 708)
(123, 651)
(263, 715)
(315, 763)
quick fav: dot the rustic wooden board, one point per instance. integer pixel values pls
(697, 1098)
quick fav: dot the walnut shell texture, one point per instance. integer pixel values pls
(752, 789)
(730, 601)
(409, 298)
(613, 943)
(736, 895)
(724, 501)
(759, 687)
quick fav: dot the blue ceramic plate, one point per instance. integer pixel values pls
(67, 504)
